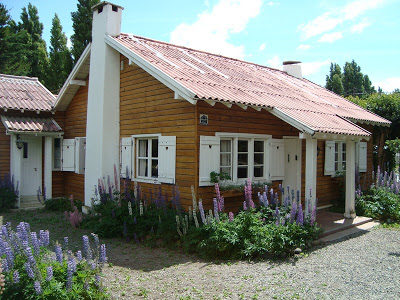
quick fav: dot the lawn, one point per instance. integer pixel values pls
(366, 266)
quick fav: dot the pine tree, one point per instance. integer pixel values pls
(4, 32)
(368, 87)
(82, 25)
(37, 46)
(353, 79)
(334, 79)
(60, 57)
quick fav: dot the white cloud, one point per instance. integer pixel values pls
(312, 67)
(275, 62)
(358, 28)
(303, 47)
(272, 3)
(212, 29)
(331, 19)
(262, 47)
(388, 84)
(330, 37)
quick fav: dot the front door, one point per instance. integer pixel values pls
(31, 176)
(292, 164)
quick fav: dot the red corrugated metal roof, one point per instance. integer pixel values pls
(28, 124)
(219, 78)
(20, 92)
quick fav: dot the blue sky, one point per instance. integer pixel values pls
(265, 32)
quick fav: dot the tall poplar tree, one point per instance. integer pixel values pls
(60, 57)
(334, 79)
(82, 25)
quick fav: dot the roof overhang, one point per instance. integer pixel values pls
(31, 126)
(75, 80)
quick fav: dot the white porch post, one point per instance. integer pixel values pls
(350, 211)
(311, 172)
(16, 164)
(48, 166)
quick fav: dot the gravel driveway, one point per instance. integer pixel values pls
(363, 267)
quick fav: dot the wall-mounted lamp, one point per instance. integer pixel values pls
(19, 143)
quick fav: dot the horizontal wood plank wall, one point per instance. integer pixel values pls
(4, 151)
(75, 126)
(237, 120)
(147, 106)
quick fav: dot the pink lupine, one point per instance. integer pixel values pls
(244, 205)
(231, 216)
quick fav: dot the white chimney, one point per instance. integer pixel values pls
(293, 68)
(102, 125)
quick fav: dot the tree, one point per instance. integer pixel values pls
(334, 79)
(37, 46)
(4, 32)
(353, 79)
(82, 25)
(368, 88)
(60, 57)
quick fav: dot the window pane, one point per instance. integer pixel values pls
(242, 172)
(142, 167)
(226, 170)
(154, 148)
(259, 158)
(243, 146)
(242, 159)
(258, 171)
(258, 146)
(143, 148)
(154, 168)
(225, 159)
(57, 154)
(225, 146)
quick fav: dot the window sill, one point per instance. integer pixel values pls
(147, 180)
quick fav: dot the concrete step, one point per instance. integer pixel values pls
(358, 229)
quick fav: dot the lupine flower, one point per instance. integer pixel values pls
(96, 240)
(202, 215)
(272, 197)
(10, 257)
(4, 265)
(31, 259)
(277, 216)
(300, 217)
(59, 254)
(251, 203)
(313, 215)
(293, 211)
(29, 270)
(70, 274)
(79, 255)
(35, 243)
(216, 209)
(102, 256)
(231, 216)
(37, 287)
(92, 265)
(72, 262)
(16, 277)
(86, 248)
(49, 273)
(244, 205)
(97, 280)
(65, 242)
(4, 231)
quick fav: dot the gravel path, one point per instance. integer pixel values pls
(363, 267)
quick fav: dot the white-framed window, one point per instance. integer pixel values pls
(147, 157)
(242, 158)
(340, 156)
(57, 154)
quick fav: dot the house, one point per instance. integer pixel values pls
(166, 115)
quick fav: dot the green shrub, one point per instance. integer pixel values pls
(62, 204)
(33, 271)
(379, 203)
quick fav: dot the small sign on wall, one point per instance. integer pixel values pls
(203, 119)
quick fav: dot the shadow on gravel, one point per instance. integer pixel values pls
(397, 254)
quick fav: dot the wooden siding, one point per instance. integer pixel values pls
(75, 126)
(4, 151)
(237, 120)
(148, 107)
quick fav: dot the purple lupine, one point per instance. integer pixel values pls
(35, 243)
(79, 255)
(231, 216)
(293, 211)
(244, 205)
(59, 254)
(70, 274)
(4, 265)
(221, 204)
(251, 203)
(202, 214)
(272, 196)
(65, 242)
(29, 270)
(44, 238)
(2, 246)
(216, 215)
(92, 265)
(283, 222)
(4, 231)
(31, 259)
(37, 287)
(300, 216)
(10, 257)
(102, 256)
(49, 273)
(72, 262)
(86, 247)
(97, 280)
(313, 215)
(16, 276)
(277, 215)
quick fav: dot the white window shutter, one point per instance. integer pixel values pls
(329, 168)
(209, 158)
(166, 159)
(276, 159)
(68, 155)
(362, 156)
(126, 160)
(80, 150)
